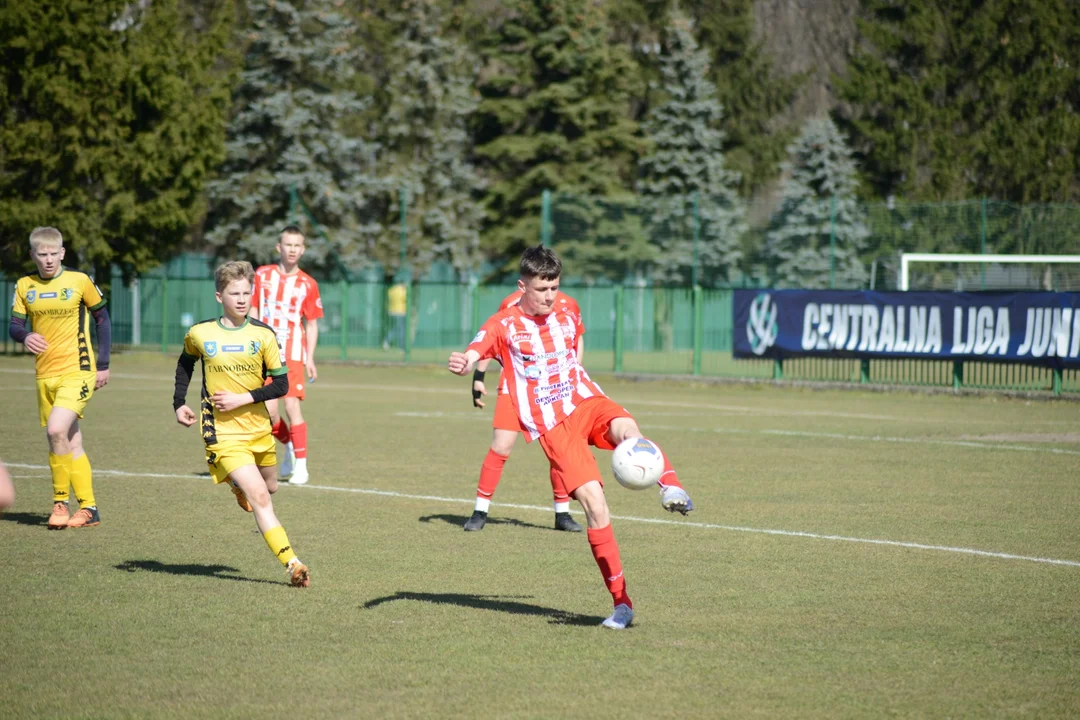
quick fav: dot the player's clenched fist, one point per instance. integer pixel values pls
(458, 363)
(185, 416)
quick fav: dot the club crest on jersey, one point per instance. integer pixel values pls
(66, 293)
(210, 348)
(31, 296)
(253, 347)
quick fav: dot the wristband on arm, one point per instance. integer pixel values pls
(477, 376)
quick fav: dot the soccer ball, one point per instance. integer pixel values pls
(637, 463)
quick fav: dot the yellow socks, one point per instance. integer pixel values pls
(278, 542)
(61, 476)
(82, 480)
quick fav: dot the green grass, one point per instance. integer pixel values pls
(173, 607)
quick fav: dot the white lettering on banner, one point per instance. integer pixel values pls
(1048, 332)
(892, 328)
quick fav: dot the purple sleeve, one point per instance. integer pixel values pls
(17, 329)
(104, 337)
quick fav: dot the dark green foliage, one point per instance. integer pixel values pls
(954, 100)
(687, 189)
(554, 114)
(427, 145)
(290, 128)
(112, 121)
(820, 230)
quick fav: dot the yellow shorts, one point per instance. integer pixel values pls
(71, 391)
(229, 455)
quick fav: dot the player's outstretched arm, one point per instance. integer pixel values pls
(311, 328)
(185, 368)
(104, 336)
(462, 363)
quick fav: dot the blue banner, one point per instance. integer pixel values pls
(1035, 328)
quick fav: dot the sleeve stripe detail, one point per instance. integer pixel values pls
(100, 305)
(18, 315)
(278, 371)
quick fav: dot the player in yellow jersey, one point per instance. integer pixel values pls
(59, 303)
(237, 354)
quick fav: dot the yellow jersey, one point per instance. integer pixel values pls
(236, 360)
(59, 310)
(397, 299)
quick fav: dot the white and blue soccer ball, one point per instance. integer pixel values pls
(637, 463)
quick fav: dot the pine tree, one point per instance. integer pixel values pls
(685, 175)
(752, 94)
(113, 145)
(554, 115)
(818, 208)
(961, 99)
(428, 144)
(291, 128)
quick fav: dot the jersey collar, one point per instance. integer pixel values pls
(229, 329)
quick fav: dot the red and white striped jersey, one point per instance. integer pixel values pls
(546, 381)
(281, 301)
(562, 301)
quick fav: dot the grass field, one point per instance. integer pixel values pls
(852, 555)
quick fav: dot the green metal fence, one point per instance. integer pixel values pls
(630, 329)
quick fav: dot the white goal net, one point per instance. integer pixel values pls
(962, 272)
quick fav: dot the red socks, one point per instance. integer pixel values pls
(606, 552)
(299, 440)
(281, 431)
(490, 474)
(668, 477)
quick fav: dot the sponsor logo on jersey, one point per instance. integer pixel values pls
(521, 337)
(232, 348)
(49, 295)
(533, 372)
(66, 293)
(210, 348)
(31, 295)
(254, 347)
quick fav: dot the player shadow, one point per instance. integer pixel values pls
(459, 520)
(25, 518)
(497, 603)
(214, 571)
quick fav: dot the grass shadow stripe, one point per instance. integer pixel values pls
(496, 603)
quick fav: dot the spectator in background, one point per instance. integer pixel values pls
(396, 305)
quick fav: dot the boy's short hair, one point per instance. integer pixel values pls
(540, 262)
(45, 236)
(231, 271)
(291, 230)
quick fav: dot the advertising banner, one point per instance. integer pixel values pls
(1034, 328)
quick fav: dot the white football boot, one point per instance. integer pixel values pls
(286, 467)
(620, 619)
(675, 499)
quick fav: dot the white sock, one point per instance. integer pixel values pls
(482, 504)
(301, 464)
(562, 507)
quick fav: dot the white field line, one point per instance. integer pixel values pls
(795, 433)
(625, 518)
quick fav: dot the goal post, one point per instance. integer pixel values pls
(1040, 267)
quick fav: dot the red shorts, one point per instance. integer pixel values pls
(506, 417)
(567, 444)
(296, 379)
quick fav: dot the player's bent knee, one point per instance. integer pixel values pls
(623, 428)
